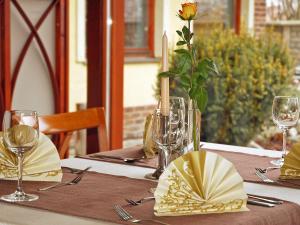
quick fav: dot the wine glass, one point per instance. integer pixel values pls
(177, 115)
(20, 135)
(285, 114)
(177, 118)
(168, 133)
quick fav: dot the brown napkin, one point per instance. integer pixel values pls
(132, 152)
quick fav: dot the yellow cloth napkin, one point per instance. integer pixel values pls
(199, 183)
(40, 164)
(149, 147)
(291, 166)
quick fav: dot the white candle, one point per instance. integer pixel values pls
(165, 108)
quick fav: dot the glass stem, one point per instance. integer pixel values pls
(195, 127)
(284, 143)
(20, 172)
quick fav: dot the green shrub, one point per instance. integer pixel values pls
(252, 71)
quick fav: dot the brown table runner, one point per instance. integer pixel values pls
(95, 195)
(244, 163)
(132, 152)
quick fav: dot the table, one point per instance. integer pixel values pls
(17, 215)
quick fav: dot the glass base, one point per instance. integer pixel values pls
(155, 175)
(151, 176)
(278, 162)
(19, 196)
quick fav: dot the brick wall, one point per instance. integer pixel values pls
(294, 42)
(290, 31)
(259, 15)
(134, 120)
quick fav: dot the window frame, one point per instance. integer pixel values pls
(149, 50)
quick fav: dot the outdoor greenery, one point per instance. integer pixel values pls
(251, 72)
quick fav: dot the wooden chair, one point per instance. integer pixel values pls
(67, 123)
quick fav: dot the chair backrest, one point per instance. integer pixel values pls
(69, 122)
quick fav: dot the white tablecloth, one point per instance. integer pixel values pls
(17, 215)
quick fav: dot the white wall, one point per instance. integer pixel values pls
(33, 88)
(139, 83)
(78, 70)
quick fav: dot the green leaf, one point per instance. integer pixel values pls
(193, 91)
(202, 74)
(181, 43)
(179, 33)
(201, 80)
(184, 64)
(180, 16)
(186, 33)
(202, 98)
(185, 80)
(182, 51)
(167, 74)
(207, 65)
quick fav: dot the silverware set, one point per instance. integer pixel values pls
(252, 200)
(263, 201)
(265, 170)
(265, 179)
(140, 201)
(74, 181)
(126, 159)
(126, 216)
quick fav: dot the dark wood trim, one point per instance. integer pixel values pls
(117, 67)
(237, 16)
(62, 55)
(151, 13)
(1, 57)
(62, 63)
(5, 76)
(67, 49)
(96, 62)
(149, 51)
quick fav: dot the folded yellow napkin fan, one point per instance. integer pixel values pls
(199, 183)
(40, 164)
(291, 166)
(149, 148)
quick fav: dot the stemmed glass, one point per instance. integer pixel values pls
(20, 135)
(285, 114)
(168, 133)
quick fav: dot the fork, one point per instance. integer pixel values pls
(140, 201)
(265, 179)
(267, 169)
(124, 215)
(76, 180)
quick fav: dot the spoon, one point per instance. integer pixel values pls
(127, 159)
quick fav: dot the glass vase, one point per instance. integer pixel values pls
(193, 126)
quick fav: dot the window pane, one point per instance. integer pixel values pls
(136, 23)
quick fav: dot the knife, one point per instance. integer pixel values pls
(259, 203)
(106, 156)
(277, 202)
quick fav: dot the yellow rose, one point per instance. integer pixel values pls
(188, 12)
